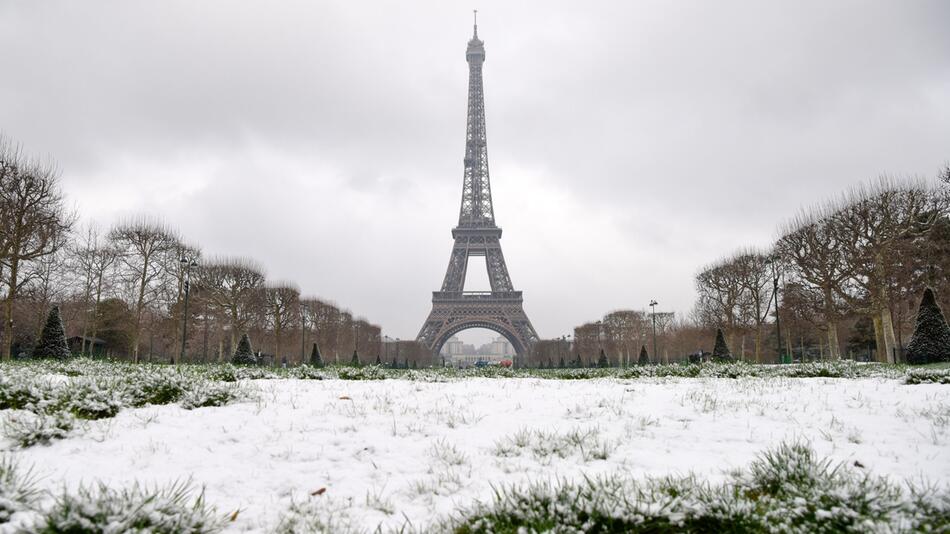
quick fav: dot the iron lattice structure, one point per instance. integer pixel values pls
(453, 308)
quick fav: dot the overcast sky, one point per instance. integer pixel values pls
(629, 142)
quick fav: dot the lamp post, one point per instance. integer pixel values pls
(653, 304)
(187, 264)
(303, 332)
(560, 355)
(773, 262)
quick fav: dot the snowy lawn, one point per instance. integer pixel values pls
(403, 453)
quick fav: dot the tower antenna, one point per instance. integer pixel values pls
(475, 12)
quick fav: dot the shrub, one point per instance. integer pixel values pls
(931, 341)
(100, 509)
(927, 376)
(315, 359)
(243, 354)
(306, 372)
(644, 358)
(231, 373)
(52, 343)
(18, 491)
(21, 393)
(721, 352)
(27, 429)
(154, 386)
(91, 398)
(370, 372)
(222, 373)
(205, 395)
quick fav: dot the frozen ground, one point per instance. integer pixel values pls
(399, 452)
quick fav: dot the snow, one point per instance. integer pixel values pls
(393, 452)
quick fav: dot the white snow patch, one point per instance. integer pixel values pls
(398, 450)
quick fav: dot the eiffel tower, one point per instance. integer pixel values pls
(453, 308)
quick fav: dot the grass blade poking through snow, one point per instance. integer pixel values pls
(171, 510)
(18, 490)
(784, 490)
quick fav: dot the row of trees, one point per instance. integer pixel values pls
(857, 266)
(620, 338)
(846, 277)
(122, 291)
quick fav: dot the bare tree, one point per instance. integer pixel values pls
(753, 270)
(720, 294)
(809, 243)
(33, 221)
(45, 284)
(144, 246)
(280, 305)
(346, 340)
(368, 337)
(588, 340)
(624, 332)
(311, 315)
(232, 287)
(93, 260)
(870, 224)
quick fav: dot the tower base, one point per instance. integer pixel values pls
(499, 311)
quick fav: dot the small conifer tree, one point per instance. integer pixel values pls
(644, 357)
(355, 361)
(243, 355)
(379, 362)
(721, 352)
(931, 341)
(560, 364)
(603, 361)
(315, 359)
(414, 365)
(52, 342)
(395, 364)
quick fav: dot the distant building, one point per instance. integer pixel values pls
(94, 345)
(459, 354)
(502, 347)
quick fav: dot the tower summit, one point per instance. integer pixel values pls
(453, 308)
(476, 207)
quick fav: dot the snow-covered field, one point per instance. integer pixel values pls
(401, 452)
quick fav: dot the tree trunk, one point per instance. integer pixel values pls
(788, 344)
(890, 342)
(899, 356)
(758, 344)
(204, 344)
(85, 322)
(139, 308)
(879, 338)
(833, 347)
(95, 313)
(234, 326)
(8, 308)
